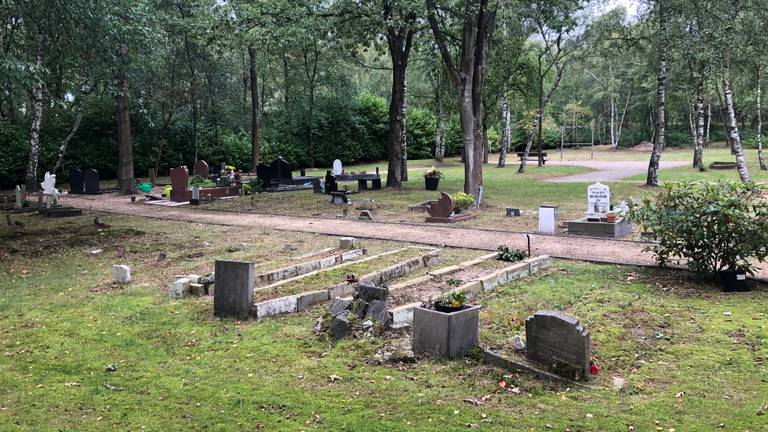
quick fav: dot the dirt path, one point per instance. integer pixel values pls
(569, 247)
(608, 170)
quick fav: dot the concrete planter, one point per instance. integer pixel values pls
(445, 334)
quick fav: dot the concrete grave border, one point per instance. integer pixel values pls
(306, 267)
(299, 302)
(403, 315)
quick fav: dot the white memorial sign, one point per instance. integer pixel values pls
(598, 198)
(546, 220)
(337, 168)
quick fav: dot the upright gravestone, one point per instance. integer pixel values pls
(330, 183)
(49, 189)
(337, 168)
(547, 220)
(598, 198)
(75, 181)
(264, 173)
(281, 169)
(442, 208)
(201, 169)
(91, 182)
(19, 199)
(559, 341)
(233, 297)
(179, 183)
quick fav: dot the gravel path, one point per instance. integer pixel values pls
(608, 170)
(569, 247)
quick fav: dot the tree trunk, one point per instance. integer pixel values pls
(192, 93)
(80, 100)
(733, 128)
(486, 146)
(37, 118)
(612, 126)
(255, 114)
(709, 123)
(759, 97)
(660, 133)
(538, 119)
(125, 179)
(395, 149)
(539, 124)
(505, 132)
(403, 127)
(698, 161)
(439, 141)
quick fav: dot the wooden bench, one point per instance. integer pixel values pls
(533, 156)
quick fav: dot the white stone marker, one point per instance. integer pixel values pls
(546, 220)
(337, 168)
(121, 274)
(18, 197)
(598, 198)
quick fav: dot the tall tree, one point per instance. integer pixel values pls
(477, 18)
(660, 135)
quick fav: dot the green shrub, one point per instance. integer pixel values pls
(710, 226)
(463, 200)
(510, 255)
(201, 182)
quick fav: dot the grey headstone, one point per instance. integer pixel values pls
(513, 212)
(121, 274)
(234, 289)
(368, 293)
(556, 339)
(340, 327)
(339, 306)
(379, 312)
(365, 215)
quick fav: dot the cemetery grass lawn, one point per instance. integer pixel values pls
(688, 366)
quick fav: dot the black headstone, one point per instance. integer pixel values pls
(264, 173)
(330, 183)
(76, 181)
(233, 296)
(91, 181)
(281, 169)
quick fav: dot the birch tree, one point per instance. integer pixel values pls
(660, 131)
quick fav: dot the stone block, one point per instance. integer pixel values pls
(339, 306)
(193, 278)
(402, 315)
(196, 289)
(379, 312)
(350, 255)
(234, 289)
(366, 215)
(369, 293)
(308, 299)
(445, 334)
(179, 288)
(445, 271)
(360, 308)
(121, 274)
(276, 307)
(341, 290)
(513, 212)
(340, 327)
(346, 243)
(558, 341)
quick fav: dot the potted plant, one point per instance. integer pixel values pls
(432, 179)
(448, 332)
(510, 255)
(715, 228)
(462, 201)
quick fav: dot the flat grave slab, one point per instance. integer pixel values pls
(620, 229)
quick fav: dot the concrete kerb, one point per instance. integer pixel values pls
(306, 267)
(403, 315)
(299, 302)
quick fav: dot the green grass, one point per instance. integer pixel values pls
(178, 368)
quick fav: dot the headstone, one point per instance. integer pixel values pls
(340, 326)
(330, 183)
(201, 168)
(598, 198)
(49, 189)
(91, 181)
(339, 306)
(443, 208)
(369, 293)
(281, 169)
(339, 198)
(234, 289)
(75, 181)
(121, 274)
(479, 200)
(546, 220)
(513, 212)
(264, 173)
(346, 243)
(179, 288)
(366, 215)
(379, 312)
(19, 200)
(337, 168)
(179, 181)
(556, 339)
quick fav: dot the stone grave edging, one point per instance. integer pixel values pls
(299, 302)
(306, 267)
(403, 315)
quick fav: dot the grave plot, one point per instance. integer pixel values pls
(301, 292)
(329, 258)
(472, 277)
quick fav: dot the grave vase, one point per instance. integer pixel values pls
(431, 183)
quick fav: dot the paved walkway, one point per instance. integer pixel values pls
(608, 170)
(559, 246)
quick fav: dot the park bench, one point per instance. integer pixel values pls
(533, 156)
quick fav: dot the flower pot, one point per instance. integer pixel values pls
(448, 309)
(430, 183)
(610, 217)
(445, 334)
(733, 280)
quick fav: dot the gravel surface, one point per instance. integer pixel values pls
(608, 170)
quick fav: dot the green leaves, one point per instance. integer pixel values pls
(708, 226)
